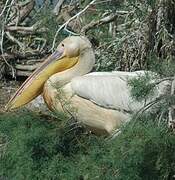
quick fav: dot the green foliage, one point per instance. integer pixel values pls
(165, 68)
(37, 148)
(142, 87)
(147, 150)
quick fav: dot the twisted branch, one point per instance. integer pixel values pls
(67, 22)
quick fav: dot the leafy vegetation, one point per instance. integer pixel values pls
(33, 147)
(142, 87)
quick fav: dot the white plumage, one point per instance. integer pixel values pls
(107, 90)
(111, 89)
(100, 100)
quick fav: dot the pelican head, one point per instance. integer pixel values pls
(66, 56)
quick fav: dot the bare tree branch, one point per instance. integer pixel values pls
(57, 8)
(23, 13)
(67, 22)
(26, 30)
(13, 39)
(102, 21)
(4, 8)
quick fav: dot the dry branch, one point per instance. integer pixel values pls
(27, 67)
(20, 73)
(25, 30)
(102, 21)
(13, 39)
(67, 22)
(24, 12)
(58, 7)
(5, 6)
(25, 56)
(65, 14)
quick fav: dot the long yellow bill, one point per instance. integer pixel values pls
(33, 85)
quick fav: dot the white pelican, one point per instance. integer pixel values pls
(100, 100)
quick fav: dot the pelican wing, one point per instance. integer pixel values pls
(108, 89)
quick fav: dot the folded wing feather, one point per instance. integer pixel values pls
(108, 89)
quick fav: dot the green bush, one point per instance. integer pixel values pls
(37, 148)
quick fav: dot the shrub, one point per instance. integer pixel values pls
(37, 148)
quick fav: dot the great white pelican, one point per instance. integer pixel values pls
(100, 100)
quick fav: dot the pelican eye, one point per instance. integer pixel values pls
(62, 45)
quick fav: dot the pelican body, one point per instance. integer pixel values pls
(100, 100)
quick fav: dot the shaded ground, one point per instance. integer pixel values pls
(7, 89)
